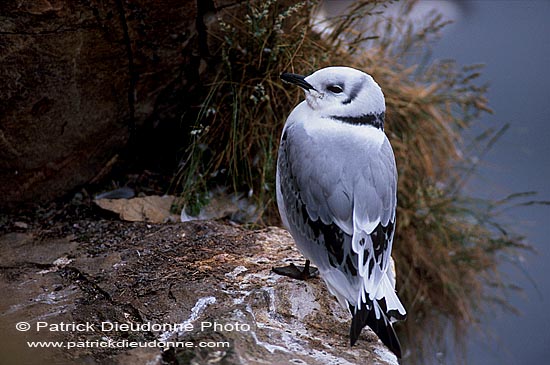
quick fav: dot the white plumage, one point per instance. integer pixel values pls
(336, 192)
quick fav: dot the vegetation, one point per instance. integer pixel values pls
(447, 245)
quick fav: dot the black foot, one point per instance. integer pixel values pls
(297, 272)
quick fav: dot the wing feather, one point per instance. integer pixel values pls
(341, 212)
(356, 195)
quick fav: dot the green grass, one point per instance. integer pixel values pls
(447, 245)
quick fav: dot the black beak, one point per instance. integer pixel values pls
(296, 80)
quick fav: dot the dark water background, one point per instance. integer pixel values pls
(512, 38)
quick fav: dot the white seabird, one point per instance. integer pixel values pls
(336, 192)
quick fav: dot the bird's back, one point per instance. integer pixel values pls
(320, 169)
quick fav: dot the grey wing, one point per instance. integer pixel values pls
(322, 241)
(340, 210)
(374, 218)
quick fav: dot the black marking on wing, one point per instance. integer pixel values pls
(380, 239)
(371, 267)
(330, 236)
(382, 327)
(376, 120)
(392, 313)
(285, 135)
(335, 240)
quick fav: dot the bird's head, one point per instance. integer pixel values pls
(340, 91)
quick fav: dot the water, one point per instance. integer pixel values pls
(512, 38)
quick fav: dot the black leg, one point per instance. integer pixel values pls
(297, 272)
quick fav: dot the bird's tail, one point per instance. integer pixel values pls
(372, 314)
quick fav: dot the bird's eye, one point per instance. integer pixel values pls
(335, 89)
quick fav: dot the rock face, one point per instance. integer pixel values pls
(64, 101)
(80, 77)
(212, 280)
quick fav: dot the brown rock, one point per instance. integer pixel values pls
(211, 279)
(63, 104)
(78, 77)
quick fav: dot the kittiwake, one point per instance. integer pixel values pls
(336, 191)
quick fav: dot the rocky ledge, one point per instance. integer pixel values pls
(120, 293)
